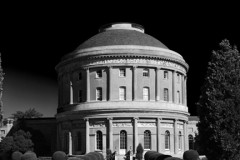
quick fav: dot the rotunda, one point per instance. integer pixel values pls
(120, 88)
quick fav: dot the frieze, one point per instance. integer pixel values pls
(167, 125)
(97, 125)
(124, 61)
(146, 124)
(180, 126)
(66, 125)
(122, 124)
(78, 125)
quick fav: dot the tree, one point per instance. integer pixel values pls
(31, 113)
(20, 141)
(219, 105)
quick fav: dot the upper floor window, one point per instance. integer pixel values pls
(146, 93)
(80, 76)
(147, 140)
(165, 74)
(180, 140)
(167, 140)
(122, 93)
(99, 94)
(79, 141)
(122, 72)
(178, 78)
(145, 72)
(99, 140)
(178, 96)
(99, 74)
(80, 98)
(165, 94)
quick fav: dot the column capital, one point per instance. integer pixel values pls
(137, 118)
(110, 67)
(175, 120)
(86, 119)
(157, 68)
(109, 118)
(134, 67)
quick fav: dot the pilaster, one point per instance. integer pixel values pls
(157, 84)
(87, 136)
(110, 83)
(159, 134)
(88, 85)
(175, 137)
(135, 133)
(134, 83)
(110, 133)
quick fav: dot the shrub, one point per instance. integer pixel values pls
(139, 154)
(92, 156)
(74, 158)
(29, 156)
(98, 155)
(173, 158)
(191, 155)
(162, 157)
(59, 155)
(153, 156)
(16, 155)
(109, 154)
(148, 153)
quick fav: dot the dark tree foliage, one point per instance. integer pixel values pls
(219, 106)
(20, 141)
(31, 113)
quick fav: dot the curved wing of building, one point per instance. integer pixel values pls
(120, 88)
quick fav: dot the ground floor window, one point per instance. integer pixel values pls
(167, 140)
(99, 140)
(190, 139)
(147, 140)
(123, 140)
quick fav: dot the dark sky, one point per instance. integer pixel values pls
(33, 40)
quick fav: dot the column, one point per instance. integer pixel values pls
(134, 83)
(185, 90)
(159, 134)
(185, 126)
(110, 83)
(135, 133)
(59, 138)
(70, 143)
(71, 92)
(175, 137)
(173, 86)
(157, 84)
(88, 85)
(87, 136)
(110, 133)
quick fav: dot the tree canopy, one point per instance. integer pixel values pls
(219, 105)
(20, 141)
(31, 113)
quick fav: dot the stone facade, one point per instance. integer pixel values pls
(122, 93)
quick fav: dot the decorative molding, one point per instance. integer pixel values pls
(146, 124)
(167, 125)
(66, 125)
(78, 125)
(180, 126)
(122, 124)
(97, 125)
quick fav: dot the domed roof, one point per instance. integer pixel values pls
(121, 37)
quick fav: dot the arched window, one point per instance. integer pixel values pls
(147, 140)
(99, 140)
(167, 140)
(66, 145)
(190, 139)
(165, 94)
(180, 140)
(79, 141)
(122, 93)
(178, 97)
(146, 94)
(99, 94)
(123, 140)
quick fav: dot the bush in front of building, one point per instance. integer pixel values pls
(16, 155)
(148, 154)
(59, 155)
(29, 155)
(74, 158)
(173, 158)
(162, 157)
(139, 154)
(191, 155)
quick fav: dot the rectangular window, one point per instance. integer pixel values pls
(79, 76)
(122, 73)
(145, 73)
(80, 96)
(178, 78)
(178, 97)
(122, 93)
(99, 94)
(145, 93)
(165, 75)
(165, 94)
(99, 74)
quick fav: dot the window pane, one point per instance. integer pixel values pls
(147, 140)
(122, 72)
(99, 140)
(165, 94)
(123, 140)
(99, 94)
(146, 93)
(167, 140)
(122, 93)
(180, 141)
(165, 74)
(145, 73)
(99, 74)
(190, 139)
